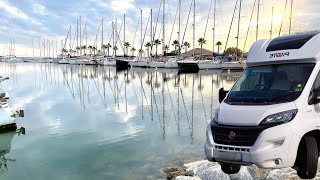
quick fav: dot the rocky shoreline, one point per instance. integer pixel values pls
(205, 170)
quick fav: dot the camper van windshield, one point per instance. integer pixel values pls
(270, 84)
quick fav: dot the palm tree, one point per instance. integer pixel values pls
(157, 42)
(219, 43)
(108, 46)
(115, 48)
(148, 45)
(104, 47)
(84, 48)
(201, 42)
(90, 47)
(127, 45)
(166, 48)
(186, 45)
(133, 50)
(94, 50)
(141, 51)
(78, 49)
(64, 50)
(175, 44)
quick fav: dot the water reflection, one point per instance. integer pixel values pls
(118, 118)
(161, 95)
(5, 148)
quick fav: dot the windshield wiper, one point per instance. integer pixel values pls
(284, 95)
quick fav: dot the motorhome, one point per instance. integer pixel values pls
(271, 116)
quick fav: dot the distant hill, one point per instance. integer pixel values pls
(197, 51)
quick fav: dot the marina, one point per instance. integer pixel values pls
(118, 119)
(181, 90)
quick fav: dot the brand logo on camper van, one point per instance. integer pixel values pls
(232, 135)
(278, 55)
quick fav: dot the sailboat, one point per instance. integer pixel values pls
(238, 64)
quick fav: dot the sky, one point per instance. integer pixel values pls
(24, 24)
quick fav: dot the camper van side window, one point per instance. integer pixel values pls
(316, 84)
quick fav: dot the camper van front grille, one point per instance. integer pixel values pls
(235, 136)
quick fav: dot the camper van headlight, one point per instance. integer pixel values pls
(282, 117)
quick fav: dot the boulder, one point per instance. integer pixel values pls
(193, 169)
(187, 178)
(283, 174)
(172, 172)
(244, 174)
(213, 173)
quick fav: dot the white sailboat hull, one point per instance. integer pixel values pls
(171, 65)
(157, 64)
(209, 65)
(232, 65)
(63, 61)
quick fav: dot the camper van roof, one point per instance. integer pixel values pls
(299, 47)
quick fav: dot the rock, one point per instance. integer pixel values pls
(258, 174)
(172, 172)
(213, 173)
(187, 178)
(244, 174)
(283, 174)
(193, 169)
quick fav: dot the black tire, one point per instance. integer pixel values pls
(308, 158)
(230, 168)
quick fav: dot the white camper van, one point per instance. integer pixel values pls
(271, 116)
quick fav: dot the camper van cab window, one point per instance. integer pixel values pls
(270, 84)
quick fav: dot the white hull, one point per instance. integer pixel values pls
(157, 64)
(63, 61)
(89, 63)
(15, 60)
(209, 65)
(232, 65)
(107, 63)
(171, 65)
(139, 63)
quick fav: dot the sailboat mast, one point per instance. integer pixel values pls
(194, 28)
(179, 30)
(163, 29)
(238, 33)
(214, 27)
(151, 35)
(102, 47)
(141, 36)
(32, 49)
(39, 47)
(85, 26)
(77, 37)
(80, 47)
(271, 23)
(70, 40)
(124, 33)
(257, 33)
(113, 37)
(291, 17)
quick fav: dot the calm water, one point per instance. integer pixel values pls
(96, 123)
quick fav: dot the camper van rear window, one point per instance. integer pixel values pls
(290, 42)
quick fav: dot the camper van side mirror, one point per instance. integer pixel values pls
(222, 94)
(315, 97)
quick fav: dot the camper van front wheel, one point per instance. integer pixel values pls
(230, 168)
(307, 158)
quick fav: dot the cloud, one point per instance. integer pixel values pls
(12, 10)
(2, 27)
(122, 6)
(39, 9)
